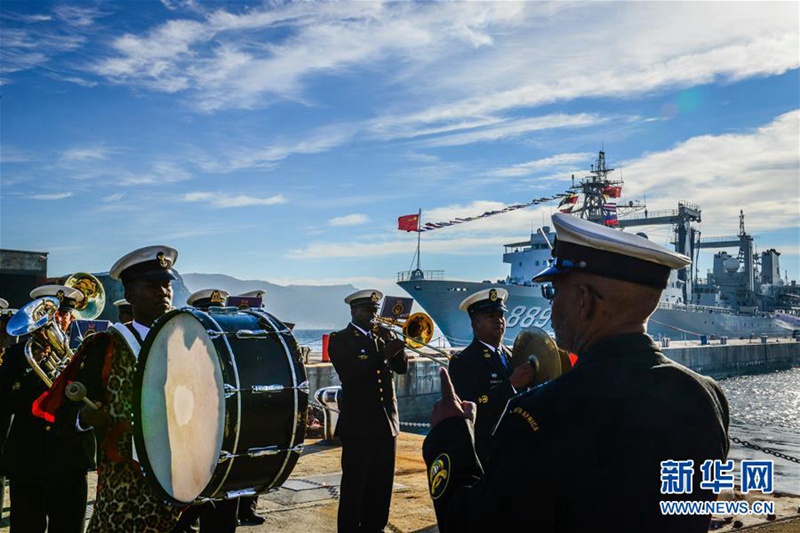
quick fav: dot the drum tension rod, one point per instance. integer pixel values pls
(230, 390)
(244, 333)
(259, 452)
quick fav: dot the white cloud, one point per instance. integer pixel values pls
(54, 196)
(223, 200)
(756, 172)
(349, 220)
(254, 154)
(84, 154)
(549, 163)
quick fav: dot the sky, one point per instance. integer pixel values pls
(281, 141)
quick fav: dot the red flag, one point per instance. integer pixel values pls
(46, 405)
(612, 191)
(408, 223)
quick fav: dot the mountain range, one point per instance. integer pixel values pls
(307, 306)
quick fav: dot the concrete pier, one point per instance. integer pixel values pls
(418, 390)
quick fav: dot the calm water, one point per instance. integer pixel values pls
(311, 337)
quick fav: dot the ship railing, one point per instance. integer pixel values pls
(414, 275)
(697, 308)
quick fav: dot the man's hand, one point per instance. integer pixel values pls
(451, 405)
(522, 376)
(393, 347)
(89, 417)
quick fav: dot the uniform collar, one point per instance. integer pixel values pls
(492, 348)
(363, 332)
(619, 345)
(140, 329)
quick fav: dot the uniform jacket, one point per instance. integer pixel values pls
(479, 376)
(368, 407)
(35, 448)
(583, 452)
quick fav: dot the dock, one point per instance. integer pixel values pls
(308, 501)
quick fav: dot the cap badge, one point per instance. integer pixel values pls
(60, 295)
(163, 262)
(375, 297)
(493, 295)
(216, 297)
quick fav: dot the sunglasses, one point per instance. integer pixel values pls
(549, 292)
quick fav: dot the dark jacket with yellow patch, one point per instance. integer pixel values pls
(35, 448)
(368, 406)
(583, 452)
(479, 376)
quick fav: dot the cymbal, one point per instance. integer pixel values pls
(535, 346)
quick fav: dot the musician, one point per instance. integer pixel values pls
(105, 364)
(46, 465)
(6, 340)
(481, 373)
(584, 452)
(218, 516)
(124, 311)
(365, 360)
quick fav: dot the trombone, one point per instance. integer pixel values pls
(417, 331)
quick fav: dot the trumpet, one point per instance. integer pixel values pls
(417, 332)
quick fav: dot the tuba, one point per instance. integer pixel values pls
(47, 351)
(94, 295)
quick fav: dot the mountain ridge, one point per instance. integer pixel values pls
(307, 306)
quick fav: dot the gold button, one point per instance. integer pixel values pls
(381, 389)
(47, 428)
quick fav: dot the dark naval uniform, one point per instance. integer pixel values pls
(46, 466)
(368, 426)
(583, 452)
(479, 375)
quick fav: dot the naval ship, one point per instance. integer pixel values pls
(743, 296)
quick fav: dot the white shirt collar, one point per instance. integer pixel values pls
(492, 348)
(140, 329)
(367, 333)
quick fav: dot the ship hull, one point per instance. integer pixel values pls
(527, 307)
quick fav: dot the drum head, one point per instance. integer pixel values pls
(181, 407)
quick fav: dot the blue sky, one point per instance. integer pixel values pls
(281, 141)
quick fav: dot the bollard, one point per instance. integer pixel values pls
(723, 340)
(329, 398)
(763, 339)
(325, 357)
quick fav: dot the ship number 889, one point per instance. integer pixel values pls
(527, 317)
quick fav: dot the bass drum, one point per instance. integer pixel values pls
(220, 404)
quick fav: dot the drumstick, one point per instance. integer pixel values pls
(76, 391)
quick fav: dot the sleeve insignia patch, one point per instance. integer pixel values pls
(439, 475)
(526, 416)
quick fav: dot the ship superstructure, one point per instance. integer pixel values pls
(737, 298)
